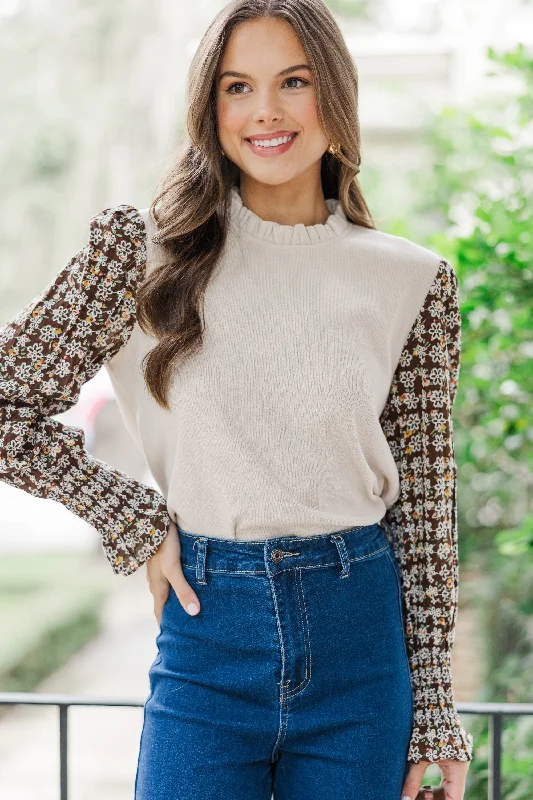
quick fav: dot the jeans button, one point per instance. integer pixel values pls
(276, 555)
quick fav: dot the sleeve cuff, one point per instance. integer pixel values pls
(127, 548)
(437, 741)
(437, 731)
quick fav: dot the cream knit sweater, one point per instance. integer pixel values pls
(274, 428)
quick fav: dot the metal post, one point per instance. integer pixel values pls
(63, 755)
(495, 757)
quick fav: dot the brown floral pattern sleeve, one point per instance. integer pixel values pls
(47, 352)
(422, 523)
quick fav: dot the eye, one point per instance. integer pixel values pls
(228, 90)
(298, 79)
(239, 83)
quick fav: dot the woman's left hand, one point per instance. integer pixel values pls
(453, 778)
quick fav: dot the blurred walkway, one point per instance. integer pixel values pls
(103, 742)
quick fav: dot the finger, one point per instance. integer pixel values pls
(184, 591)
(160, 592)
(413, 780)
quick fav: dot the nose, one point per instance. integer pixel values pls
(268, 107)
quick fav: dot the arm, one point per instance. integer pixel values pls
(47, 352)
(417, 422)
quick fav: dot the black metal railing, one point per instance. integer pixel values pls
(494, 711)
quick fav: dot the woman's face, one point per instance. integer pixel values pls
(259, 100)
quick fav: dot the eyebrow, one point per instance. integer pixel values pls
(230, 73)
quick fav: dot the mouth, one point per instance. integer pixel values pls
(273, 146)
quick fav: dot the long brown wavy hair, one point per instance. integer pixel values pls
(191, 207)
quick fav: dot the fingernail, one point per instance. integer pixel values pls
(405, 797)
(193, 608)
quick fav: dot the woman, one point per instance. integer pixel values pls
(289, 372)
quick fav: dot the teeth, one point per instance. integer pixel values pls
(271, 142)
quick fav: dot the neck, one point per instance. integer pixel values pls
(286, 204)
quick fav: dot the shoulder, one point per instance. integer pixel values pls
(112, 262)
(408, 269)
(89, 306)
(118, 234)
(397, 256)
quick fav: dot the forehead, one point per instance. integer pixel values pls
(265, 45)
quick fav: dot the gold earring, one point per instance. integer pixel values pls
(334, 149)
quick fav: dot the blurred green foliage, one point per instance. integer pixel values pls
(481, 185)
(50, 605)
(349, 8)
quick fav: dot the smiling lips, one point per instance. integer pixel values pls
(264, 146)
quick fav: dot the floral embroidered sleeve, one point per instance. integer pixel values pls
(417, 422)
(52, 347)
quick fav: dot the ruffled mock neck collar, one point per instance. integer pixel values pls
(244, 218)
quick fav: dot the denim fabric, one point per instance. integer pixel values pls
(293, 679)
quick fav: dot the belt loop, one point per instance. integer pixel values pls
(200, 561)
(341, 547)
(387, 528)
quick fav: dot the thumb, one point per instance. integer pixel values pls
(413, 780)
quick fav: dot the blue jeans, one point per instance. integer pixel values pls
(292, 680)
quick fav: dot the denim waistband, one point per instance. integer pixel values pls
(210, 554)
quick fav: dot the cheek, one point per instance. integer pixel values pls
(304, 111)
(230, 117)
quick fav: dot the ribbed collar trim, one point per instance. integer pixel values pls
(245, 218)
